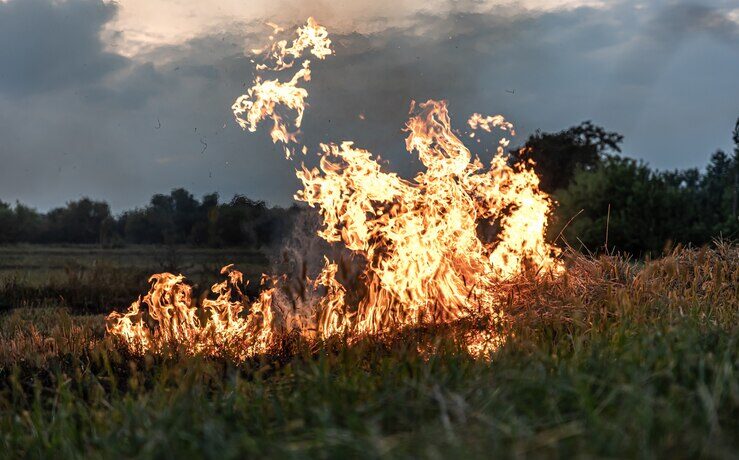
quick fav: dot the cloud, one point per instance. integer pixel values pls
(122, 127)
(666, 31)
(528, 66)
(145, 24)
(47, 45)
(131, 88)
(679, 20)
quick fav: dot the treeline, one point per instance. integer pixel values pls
(604, 200)
(607, 200)
(177, 218)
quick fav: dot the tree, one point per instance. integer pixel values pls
(29, 224)
(80, 222)
(559, 155)
(717, 194)
(735, 193)
(238, 220)
(8, 232)
(204, 231)
(185, 214)
(648, 209)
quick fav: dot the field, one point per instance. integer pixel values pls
(616, 359)
(88, 279)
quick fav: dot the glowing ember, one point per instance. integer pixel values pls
(425, 261)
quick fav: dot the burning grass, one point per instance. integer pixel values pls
(617, 358)
(423, 260)
(89, 279)
(595, 294)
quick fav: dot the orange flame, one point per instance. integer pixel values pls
(265, 96)
(425, 259)
(225, 327)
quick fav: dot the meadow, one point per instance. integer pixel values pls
(617, 358)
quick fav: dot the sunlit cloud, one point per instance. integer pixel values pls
(144, 24)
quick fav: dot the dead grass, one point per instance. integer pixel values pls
(598, 292)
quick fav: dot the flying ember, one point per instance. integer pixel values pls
(424, 260)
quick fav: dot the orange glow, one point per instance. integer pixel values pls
(425, 261)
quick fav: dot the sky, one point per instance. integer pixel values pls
(120, 100)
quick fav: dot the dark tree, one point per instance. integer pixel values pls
(79, 222)
(237, 221)
(558, 155)
(718, 193)
(735, 192)
(8, 232)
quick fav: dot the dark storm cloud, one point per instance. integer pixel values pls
(130, 90)
(540, 70)
(666, 32)
(94, 123)
(45, 45)
(678, 21)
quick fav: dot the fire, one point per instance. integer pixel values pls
(426, 262)
(419, 238)
(226, 327)
(265, 96)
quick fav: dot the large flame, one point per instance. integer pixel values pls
(424, 258)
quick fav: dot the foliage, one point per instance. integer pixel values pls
(606, 198)
(174, 219)
(90, 279)
(642, 210)
(559, 155)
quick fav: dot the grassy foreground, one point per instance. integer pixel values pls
(615, 359)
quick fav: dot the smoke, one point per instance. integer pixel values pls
(298, 263)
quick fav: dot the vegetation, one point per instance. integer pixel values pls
(621, 356)
(90, 279)
(606, 198)
(615, 359)
(175, 219)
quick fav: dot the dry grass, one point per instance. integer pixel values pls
(597, 292)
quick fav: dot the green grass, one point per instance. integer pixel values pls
(615, 360)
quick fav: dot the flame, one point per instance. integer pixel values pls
(419, 238)
(225, 327)
(265, 96)
(426, 262)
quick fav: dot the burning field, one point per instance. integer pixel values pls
(437, 320)
(416, 243)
